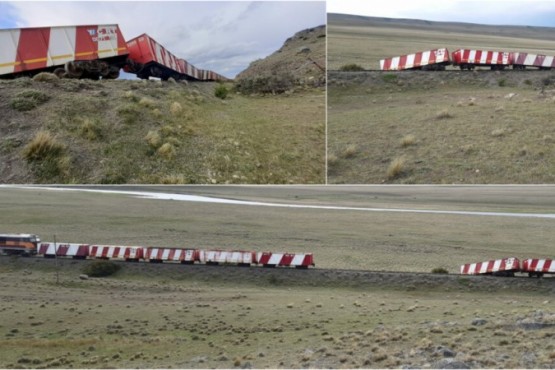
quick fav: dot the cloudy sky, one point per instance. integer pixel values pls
(224, 36)
(495, 12)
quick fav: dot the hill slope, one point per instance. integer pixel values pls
(121, 131)
(300, 61)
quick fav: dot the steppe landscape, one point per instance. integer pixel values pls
(349, 311)
(421, 127)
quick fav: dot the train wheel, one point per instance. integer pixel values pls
(60, 72)
(73, 70)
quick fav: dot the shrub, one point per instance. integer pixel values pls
(272, 84)
(389, 77)
(350, 151)
(439, 270)
(221, 91)
(351, 68)
(101, 269)
(396, 168)
(28, 100)
(502, 82)
(42, 146)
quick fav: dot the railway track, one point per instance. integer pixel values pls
(291, 277)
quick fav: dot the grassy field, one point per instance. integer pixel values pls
(436, 128)
(150, 132)
(161, 320)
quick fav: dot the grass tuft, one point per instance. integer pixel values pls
(396, 168)
(444, 114)
(153, 139)
(28, 100)
(42, 146)
(167, 151)
(350, 151)
(408, 141)
(176, 108)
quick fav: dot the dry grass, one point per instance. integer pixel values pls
(153, 139)
(42, 146)
(396, 168)
(350, 151)
(166, 151)
(408, 140)
(443, 114)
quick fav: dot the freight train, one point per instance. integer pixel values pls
(469, 59)
(30, 245)
(91, 51)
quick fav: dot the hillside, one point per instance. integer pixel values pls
(131, 131)
(300, 62)
(451, 127)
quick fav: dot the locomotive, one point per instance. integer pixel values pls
(469, 59)
(91, 51)
(19, 244)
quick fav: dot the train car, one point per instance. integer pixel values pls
(73, 250)
(524, 60)
(297, 260)
(19, 244)
(216, 257)
(160, 255)
(538, 267)
(501, 267)
(150, 59)
(435, 59)
(112, 252)
(91, 51)
(469, 59)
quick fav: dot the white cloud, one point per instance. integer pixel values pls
(224, 36)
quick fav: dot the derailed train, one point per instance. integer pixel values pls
(438, 59)
(30, 244)
(91, 51)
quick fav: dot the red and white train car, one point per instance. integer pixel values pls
(215, 257)
(113, 252)
(469, 59)
(435, 59)
(538, 267)
(523, 60)
(298, 260)
(73, 250)
(150, 58)
(160, 255)
(503, 267)
(95, 50)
